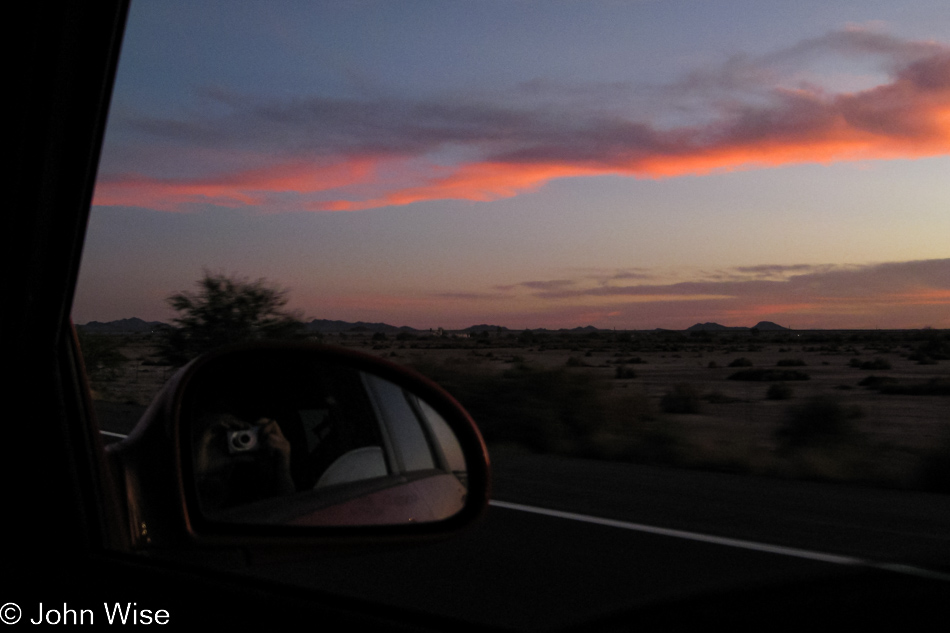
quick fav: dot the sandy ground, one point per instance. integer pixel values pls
(736, 422)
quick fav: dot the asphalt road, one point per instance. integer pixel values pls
(670, 536)
(887, 526)
(570, 541)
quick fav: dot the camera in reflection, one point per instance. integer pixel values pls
(244, 440)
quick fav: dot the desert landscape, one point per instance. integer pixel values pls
(866, 407)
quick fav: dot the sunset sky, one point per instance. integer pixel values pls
(623, 164)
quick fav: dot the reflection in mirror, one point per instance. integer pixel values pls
(318, 444)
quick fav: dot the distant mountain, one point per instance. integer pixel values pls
(122, 326)
(472, 329)
(325, 326)
(715, 327)
(768, 325)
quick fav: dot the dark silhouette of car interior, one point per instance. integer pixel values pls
(127, 525)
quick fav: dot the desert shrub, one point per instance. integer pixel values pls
(768, 375)
(574, 361)
(682, 398)
(741, 362)
(624, 373)
(712, 365)
(527, 337)
(717, 397)
(658, 443)
(876, 364)
(939, 386)
(819, 421)
(935, 347)
(548, 410)
(779, 391)
(462, 360)
(874, 382)
(791, 362)
(932, 387)
(632, 430)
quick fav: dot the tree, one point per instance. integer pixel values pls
(226, 310)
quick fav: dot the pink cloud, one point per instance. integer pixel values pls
(237, 189)
(339, 155)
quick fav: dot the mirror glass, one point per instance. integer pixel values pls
(310, 443)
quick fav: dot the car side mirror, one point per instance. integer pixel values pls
(277, 441)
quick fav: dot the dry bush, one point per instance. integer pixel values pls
(548, 410)
(876, 364)
(791, 362)
(624, 373)
(717, 397)
(939, 386)
(682, 398)
(779, 391)
(769, 375)
(819, 421)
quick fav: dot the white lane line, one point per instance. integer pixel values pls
(692, 536)
(912, 571)
(111, 434)
(729, 542)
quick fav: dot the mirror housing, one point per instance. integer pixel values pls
(414, 464)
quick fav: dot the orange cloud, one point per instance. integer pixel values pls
(244, 188)
(902, 120)
(481, 182)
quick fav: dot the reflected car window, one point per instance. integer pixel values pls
(410, 444)
(444, 437)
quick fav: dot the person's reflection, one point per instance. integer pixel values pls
(237, 462)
